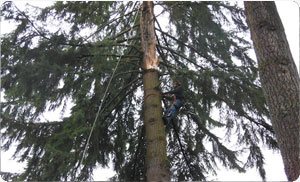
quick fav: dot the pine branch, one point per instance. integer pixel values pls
(118, 44)
(165, 40)
(113, 20)
(118, 105)
(115, 99)
(7, 176)
(32, 24)
(40, 33)
(180, 55)
(127, 72)
(140, 140)
(171, 50)
(109, 55)
(241, 112)
(229, 155)
(124, 32)
(162, 55)
(31, 124)
(188, 46)
(82, 44)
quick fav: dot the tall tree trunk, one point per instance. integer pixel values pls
(156, 155)
(279, 78)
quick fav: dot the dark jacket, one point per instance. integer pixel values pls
(178, 92)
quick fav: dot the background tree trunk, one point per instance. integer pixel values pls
(156, 155)
(279, 79)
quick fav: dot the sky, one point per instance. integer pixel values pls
(289, 13)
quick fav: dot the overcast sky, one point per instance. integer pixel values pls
(289, 13)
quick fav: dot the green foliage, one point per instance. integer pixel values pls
(47, 64)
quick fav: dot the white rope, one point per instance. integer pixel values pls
(100, 107)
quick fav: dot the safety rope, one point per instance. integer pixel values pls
(103, 98)
(179, 141)
(181, 146)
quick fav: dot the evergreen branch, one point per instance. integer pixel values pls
(127, 72)
(193, 49)
(182, 56)
(241, 112)
(188, 46)
(111, 21)
(41, 34)
(210, 59)
(230, 155)
(123, 32)
(117, 106)
(35, 124)
(118, 43)
(81, 45)
(165, 40)
(140, 139)
(109, 55)
(181, 42)
(112, 55)
(32, 24)
(162, 55)
(171, 50)
(120, 92)
(7, 176)
(124, 88)
(164, 62)
(221, 4)
(128, 39)
(129, 84)
(165, 9)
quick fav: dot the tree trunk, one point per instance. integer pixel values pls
(156, 155)
(279, 79)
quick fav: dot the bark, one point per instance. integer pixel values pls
(279, 79)
(156, 155)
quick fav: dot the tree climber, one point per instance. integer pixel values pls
(176, 95)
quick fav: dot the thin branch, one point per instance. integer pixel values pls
(182, 56)
(109, 55)
(187, 45)
(120, 101)
(171, 50)
(124, 31)
(118, 43)
(120, 92)
(140, 139)
(30, 123)
(111, 21)
(162, 55)
(32, 24)
(241, 112)
(127, 72)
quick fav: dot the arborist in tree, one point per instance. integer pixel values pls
(176, 96)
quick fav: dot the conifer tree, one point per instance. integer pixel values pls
(280, 80)
(66, 53)
(156, 155)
